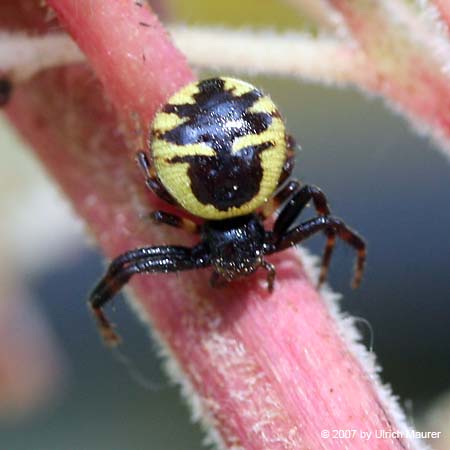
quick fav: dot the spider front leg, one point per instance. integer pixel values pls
(278, 199)
(328, 224)
(142, 260)
(299, 199)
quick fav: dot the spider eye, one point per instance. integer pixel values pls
(219, 147)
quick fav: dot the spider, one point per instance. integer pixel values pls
(220, 151)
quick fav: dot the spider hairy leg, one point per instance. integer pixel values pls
(143, 260)
(292, 210)
(278, 199)
(332, 225)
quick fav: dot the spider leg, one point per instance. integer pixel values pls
(143, 260)
(294, 207)
(297, 203)
(175, 221)
(142, 253)
(332, 225)
(152, 180)
(278, 199)
(326, 257)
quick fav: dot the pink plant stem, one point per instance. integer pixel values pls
(264, 371)
(407, 65)
(443, 7)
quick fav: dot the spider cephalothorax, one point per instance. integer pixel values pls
(220, 151)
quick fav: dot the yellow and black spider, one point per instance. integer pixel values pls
(220, 151)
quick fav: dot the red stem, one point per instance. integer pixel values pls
(444, 9)
(406, 67)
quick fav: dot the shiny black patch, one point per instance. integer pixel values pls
(217, 118)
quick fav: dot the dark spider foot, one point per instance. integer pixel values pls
(326, 258)
(109, 336)
(357, 278)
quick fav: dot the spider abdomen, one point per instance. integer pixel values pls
(219, 146)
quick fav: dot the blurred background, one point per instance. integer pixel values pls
(386, 181)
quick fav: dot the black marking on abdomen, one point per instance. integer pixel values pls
(217, 118)
(231, 180)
